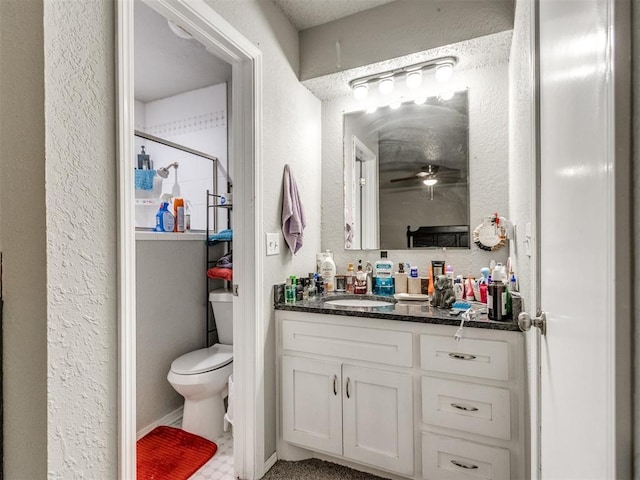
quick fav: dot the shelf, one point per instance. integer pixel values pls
(145, 235)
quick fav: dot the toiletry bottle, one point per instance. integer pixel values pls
(369, 273)
(383, 273)
(349, 277)
(178, 212)
(319, 285)
(448, 271)
(400, 279)
(431, 278)
(513, 283)
(413, 282)
(360, 285)
(328, 272)
(187, 216)
(312, 285)
(289, 292)
(164, 219)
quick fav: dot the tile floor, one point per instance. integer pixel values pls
(220, 467)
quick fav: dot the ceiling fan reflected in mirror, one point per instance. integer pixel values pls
(432, 175)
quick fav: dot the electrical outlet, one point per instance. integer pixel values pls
(273, 243)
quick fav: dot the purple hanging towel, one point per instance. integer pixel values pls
(293, 221)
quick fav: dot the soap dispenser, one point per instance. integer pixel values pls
(400, 279)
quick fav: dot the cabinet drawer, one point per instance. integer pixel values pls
(472, 357)
(450, 458)
(357, 343)
(467, 407)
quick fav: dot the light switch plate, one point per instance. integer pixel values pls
(273, 243)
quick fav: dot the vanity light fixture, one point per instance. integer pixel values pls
(412, 75)
(420, 100)
(447, 95)
(371, 108)
(395, 104)
(360, 91)
(386, 85)
(414, 79)
(444, 72)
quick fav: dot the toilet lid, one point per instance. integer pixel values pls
(203, 360)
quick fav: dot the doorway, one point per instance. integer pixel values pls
(224, 42)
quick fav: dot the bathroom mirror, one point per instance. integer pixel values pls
(406, 173)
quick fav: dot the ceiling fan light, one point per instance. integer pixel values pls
(430, 182)
(360, 91)
(444, 72)
(386, 86)
(414, 79)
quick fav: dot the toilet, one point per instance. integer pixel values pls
(201, 376)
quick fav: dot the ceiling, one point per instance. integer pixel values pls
(165, 64)
(305, 14)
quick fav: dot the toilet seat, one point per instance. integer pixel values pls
(203, 360)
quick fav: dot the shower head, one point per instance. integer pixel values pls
(164, 171)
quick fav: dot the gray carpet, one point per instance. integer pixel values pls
(314, 469)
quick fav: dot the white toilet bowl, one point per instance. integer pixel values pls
(201, 378)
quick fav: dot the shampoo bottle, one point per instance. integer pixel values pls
(349, 278)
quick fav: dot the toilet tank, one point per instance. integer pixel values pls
(222, 305)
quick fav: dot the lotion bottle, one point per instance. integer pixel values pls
(328, 272)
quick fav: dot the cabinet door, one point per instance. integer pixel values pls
(378, 418)
(312, 404)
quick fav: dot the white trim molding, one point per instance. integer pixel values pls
(219, 37)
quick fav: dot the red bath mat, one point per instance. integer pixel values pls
(168, 453)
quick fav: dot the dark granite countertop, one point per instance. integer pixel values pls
(401, 310)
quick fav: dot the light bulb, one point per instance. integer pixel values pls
(414, 79)
(386, 86)
(420, 100)
(447, 95)
(430, 182)
(444, 72)
(360, 91)
(395, 104)
(371, 109)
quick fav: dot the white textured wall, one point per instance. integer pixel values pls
(81, 239)
(290, 134)
(170, 319)
(22, 239)
(396, 29)
(488, 171)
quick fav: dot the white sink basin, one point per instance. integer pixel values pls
(358, 302)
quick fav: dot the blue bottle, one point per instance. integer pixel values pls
(164, 219)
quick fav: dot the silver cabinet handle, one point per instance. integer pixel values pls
(347, 389)
(462, 356)
(462, 407)
(335, 385)
(467, 466)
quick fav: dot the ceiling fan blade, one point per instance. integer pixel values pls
(404, 179)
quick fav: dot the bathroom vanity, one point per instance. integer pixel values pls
(389, 388)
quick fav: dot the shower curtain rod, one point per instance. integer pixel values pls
(177, 146)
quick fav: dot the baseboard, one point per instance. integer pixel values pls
(168, 419)
(271, 461)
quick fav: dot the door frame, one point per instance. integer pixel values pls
(210, 29)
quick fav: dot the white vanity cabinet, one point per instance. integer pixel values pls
(403, 397)
(336, 406)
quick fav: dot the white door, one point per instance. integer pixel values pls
(378, 418)
(312, 404)
(580, 242)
